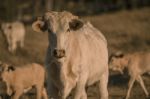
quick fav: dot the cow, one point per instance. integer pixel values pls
(77, 55)
(14, 33)
(136, 63)
(20, 80)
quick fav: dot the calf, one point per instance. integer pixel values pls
(137, 64)
(21, 79)
(14, 33)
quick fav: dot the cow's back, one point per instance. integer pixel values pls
(18, 30)
(143, 61)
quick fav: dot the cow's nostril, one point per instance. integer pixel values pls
(62, 52)
(55, 52)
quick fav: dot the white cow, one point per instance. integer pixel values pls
(20, 80)
(14, 33)
(77, 55)
(137, 64)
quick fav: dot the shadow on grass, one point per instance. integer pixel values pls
(118, 79)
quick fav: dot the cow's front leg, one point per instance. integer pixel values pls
(18, 93)
(39, 92)
(103, 86)
(67, 89)
(44, 94)
(80, 92)
(22, 43)
(14, 46)
(8, 89)
(52, 91)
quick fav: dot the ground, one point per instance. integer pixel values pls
(126, 31)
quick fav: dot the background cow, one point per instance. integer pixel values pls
(77, 55)
(137, 64)
(14, 33)
(19, 80)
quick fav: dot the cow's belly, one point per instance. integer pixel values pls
(94, 78)
(95, 74)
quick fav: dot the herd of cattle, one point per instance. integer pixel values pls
(77, 57)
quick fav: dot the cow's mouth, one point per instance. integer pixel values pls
(59, 57)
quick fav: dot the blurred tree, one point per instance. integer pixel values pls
(36, 6)
(27, 9)
(10, 9)
(23, 9)
(49, 5)
(59, 5)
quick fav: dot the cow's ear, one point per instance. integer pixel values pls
(116, 55)
(119, 54)
(111, 57)
(11, 68)
(9, 27)
(75, 24)
(40, 25)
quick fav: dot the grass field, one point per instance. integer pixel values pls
(128, 31)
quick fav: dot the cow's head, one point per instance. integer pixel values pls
(5, 71)
(6, 28)
(59, 25)
(117, 62)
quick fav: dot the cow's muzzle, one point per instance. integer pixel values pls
(59, 53)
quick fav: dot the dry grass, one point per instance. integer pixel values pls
(126, 30)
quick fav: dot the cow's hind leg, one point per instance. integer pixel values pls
(140, 80)
(103, 85)
(131, 82)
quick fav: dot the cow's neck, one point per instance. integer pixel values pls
(73, 49)
(72, 58)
